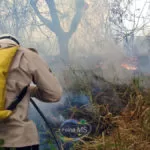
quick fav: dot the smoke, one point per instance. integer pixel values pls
(92, 52)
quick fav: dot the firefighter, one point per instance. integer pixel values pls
(23, 68)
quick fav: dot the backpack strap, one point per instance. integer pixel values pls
(18, 98)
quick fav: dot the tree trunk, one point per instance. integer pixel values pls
(63, 42)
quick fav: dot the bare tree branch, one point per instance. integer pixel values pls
(77, 17)
(47, 22)
(53, 12)
(141, 14)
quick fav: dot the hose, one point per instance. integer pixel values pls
(46, 122)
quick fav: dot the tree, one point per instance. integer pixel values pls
(53, 23)
(14, 16)
(126, 20)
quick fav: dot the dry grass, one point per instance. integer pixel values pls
(126, 130)
(131, 130)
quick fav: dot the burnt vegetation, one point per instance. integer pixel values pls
(119, 113)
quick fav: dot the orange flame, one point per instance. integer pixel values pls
(128, 67)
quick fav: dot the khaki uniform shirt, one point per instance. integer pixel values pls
(27, 67)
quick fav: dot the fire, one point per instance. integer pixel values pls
(129, 67)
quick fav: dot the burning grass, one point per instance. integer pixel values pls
(126, 128)
(131, 130)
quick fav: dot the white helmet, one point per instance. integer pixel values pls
(9, 37)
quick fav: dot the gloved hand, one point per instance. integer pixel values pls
(32, 89)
